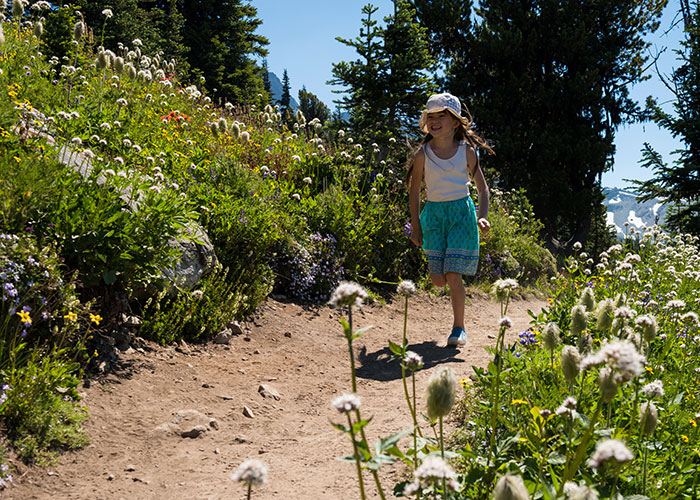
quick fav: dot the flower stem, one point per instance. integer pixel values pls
(352, 354)
(357, 458)
(572, 467)
(250, 489)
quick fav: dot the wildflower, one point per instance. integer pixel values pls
(503, 288)
(621, 356)
(672, 305)
(77, 141)
(406, 288)
(107, 13)
(348, 293)
(607, 384)
(510, 487)
(433, 469)
(684, 438)
(610, 451)
(251, 472)
(245, 137)
(412, 360)
(122, 102)
(24, 317)
(71, 316)
(577, 246)
(690, 317)
(78, 31)
(505, 322)
(581, 491)
(550, 336)
(648, 417)
(579, 319)
(654, 389)
(95, 318)
(585, 342)
(570, 362)
(440, 393)
(137, 42)
(648, 326)
(624, 312)
(17, 8)
(346, 402)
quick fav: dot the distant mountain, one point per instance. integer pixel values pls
(622, 206)
(276, 91)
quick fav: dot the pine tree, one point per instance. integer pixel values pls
(312, 106)
(286, 97)
(547, 81)
(266, 77)
(679, 183)
(389, 84)
(222, 43)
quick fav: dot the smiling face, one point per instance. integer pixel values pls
(441, 123)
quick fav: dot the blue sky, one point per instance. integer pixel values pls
(302, 40)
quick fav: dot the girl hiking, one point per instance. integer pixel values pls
(447, 227)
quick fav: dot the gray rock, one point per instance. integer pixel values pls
(188, 423)
(267, 391)
(223, 337)
(235, 327)
(247, 412)
(197, 258)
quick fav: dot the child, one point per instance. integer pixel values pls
(447, 226)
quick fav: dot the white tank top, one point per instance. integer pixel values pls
(446, 180)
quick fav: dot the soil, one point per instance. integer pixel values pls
(301, 353)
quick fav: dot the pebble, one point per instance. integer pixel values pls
(247, 412)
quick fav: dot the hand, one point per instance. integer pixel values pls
(417, 235)
(484, 225)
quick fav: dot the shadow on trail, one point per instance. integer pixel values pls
(381, 366)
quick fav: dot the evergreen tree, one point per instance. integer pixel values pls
(547, 81)
(222, 42)
(312, 106)
(266, 77)
(388, 86)
(679, 183)
(158, 24)
(286, 97)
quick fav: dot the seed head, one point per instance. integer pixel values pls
(78, 31)
(648, 417)
(607, 384)
(119, 65)
(440, 394)
(505, 322)
(581, 491)
(245, 137)
(510, 487)
(604, 314)
(38, 29)
(17, 8)
(647, 324)
(579, 320)
(585, 343)
(550, 336)
(251, 472)
(587, 299)
(223, 126)
(502, 288)
(570, 362)
(654, 389)
(433, 469)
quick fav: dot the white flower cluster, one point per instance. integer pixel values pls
(346, 402)
(620, 356)
(433, 469)
(609, 451)
(251, 472)
(406, 288)
(348, 293)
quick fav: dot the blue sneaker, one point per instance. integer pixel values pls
(457, 338)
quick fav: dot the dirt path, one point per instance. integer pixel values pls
(299, 352)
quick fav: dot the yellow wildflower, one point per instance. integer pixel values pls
(95, 318)
(693, 422)
(684, 438)
(465, 382)
(519, 402)
(71, 316)
(24, 317)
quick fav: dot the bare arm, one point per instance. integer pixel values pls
(481, 187)
(414, 198)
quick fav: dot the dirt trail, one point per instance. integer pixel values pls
(299, 352)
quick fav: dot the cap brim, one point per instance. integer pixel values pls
(424, 126)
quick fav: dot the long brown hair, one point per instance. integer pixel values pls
(464, 132)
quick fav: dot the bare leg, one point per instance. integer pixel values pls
(438, 280)
(457, 296)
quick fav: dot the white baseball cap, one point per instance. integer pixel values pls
(440, 102)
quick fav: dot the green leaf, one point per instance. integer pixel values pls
(341, 427)
(396, 349)
(391, 441)
(361, 331)
(110, 277)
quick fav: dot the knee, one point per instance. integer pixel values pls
(438, 280)
(454, 279)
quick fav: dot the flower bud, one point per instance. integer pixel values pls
(214, 127)
(550, 336)
(585, 343)
(587, 299)
(38, 29)
(102, 60)
(78, 31)
(245, 137)
(579, 320)
(510, 487)
(647, 324)
(440, 393)
(648, 417)
(570, 362)
(236, 131)
(17, 8)
(119, 65)
(132, 71)
(223, 126)
(607, 384)
(604, 314)
(2, 36)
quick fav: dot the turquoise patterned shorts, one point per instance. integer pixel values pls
(450, 236)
